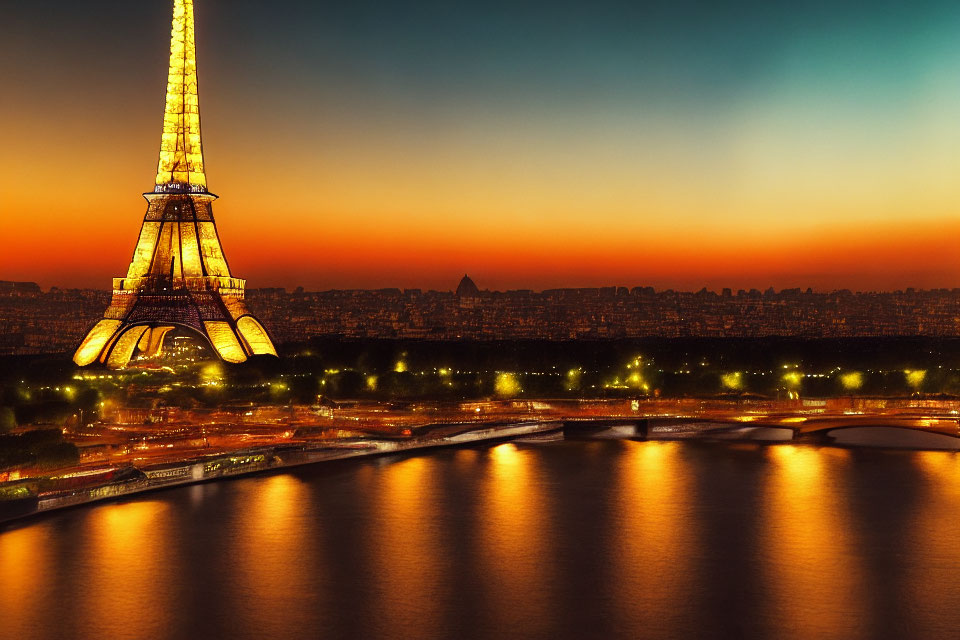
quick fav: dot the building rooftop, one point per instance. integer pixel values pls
(467, 288)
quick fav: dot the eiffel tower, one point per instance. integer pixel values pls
(178, 276)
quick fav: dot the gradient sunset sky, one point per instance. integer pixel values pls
(529, 144)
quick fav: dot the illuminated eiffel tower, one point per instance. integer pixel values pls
(178, 276)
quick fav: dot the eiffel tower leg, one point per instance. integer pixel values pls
(151, 344)
(96, 341)
(119, 353)
(114, 342)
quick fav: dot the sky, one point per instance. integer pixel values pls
(532, 145)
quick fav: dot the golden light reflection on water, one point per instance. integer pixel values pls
(813, 574)
(130, 583)
(495, 561)
(464, 459)
(513, 547)
(274, 547)
(936, 530)
(25, 574)
(654, 535)
(405, 544)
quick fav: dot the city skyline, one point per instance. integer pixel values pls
(746, 147)
(33, 322)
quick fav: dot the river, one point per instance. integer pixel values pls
(574, 539)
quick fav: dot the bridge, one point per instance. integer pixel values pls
(910, 431)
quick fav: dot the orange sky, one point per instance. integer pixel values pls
(370, 212)
(795, 181)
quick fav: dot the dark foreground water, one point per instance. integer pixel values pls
(566, 540)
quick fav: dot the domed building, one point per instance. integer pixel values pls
(467, 288)
(468, 295)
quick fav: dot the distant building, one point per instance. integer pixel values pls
(468, 295)
(8, 288)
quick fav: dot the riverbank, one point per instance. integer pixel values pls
(119, 482)
(121, 477)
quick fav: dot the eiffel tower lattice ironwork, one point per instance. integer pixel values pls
(178, 275)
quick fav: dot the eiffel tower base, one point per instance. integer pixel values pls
(137, 323)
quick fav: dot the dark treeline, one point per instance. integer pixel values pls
(45, 389)
(667, 353)
(39, 447)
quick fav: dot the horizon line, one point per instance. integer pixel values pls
(770, 290)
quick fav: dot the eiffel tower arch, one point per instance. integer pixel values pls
(178, 276)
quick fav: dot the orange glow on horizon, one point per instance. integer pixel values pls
(320, 254)
(884, 258)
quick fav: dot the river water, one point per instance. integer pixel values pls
(577, 539)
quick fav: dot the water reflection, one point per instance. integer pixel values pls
(936, 531)
(514, 542)
(130, 578)
(813, 574)
(655, 535)
(274, 554)
(407, 549)
(570, 540)
(466, 459)
(25, 575)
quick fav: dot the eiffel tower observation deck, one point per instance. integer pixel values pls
(178, 276)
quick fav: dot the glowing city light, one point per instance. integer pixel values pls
(507, 385)
(915, 377)
(852, 380)
(212, 372)
(792, 378)
(732, 380)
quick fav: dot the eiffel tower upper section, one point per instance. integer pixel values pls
(181, 150)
